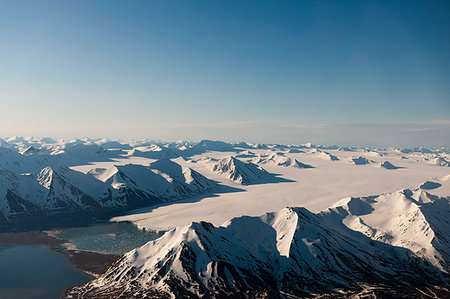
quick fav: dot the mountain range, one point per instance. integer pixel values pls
(318, 245)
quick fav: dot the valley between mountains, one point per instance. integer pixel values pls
(242, 220)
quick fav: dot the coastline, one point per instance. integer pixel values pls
(90, 263)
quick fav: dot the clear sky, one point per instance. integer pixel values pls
(348, 72)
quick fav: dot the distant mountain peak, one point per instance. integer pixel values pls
(239, 171)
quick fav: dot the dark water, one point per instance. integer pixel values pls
(111, 238)
(34, 271)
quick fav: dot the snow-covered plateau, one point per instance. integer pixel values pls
(243, 220)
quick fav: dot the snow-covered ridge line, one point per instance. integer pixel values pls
(39, 143)
(36, 199)
(412, 219)
(294, 251)
(249, 165)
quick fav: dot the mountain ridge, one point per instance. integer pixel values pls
(292, 251)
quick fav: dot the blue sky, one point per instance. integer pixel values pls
(270, 71)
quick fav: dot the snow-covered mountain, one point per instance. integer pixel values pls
(345, 149)
(188, 177)
(239, 171)
(212, 145)
(155, 152)
(439, 161)
(55, 192)
(373, 153)
(5, 144)
(360, 160)
(388, 165)
(295, 151)
(292, 252)
(162, 179)
(12, 160)
(412, 219)
(245, 154)
(12, 203)
(50, 193)
(67, 190)
(325, 155)
(281, 160)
